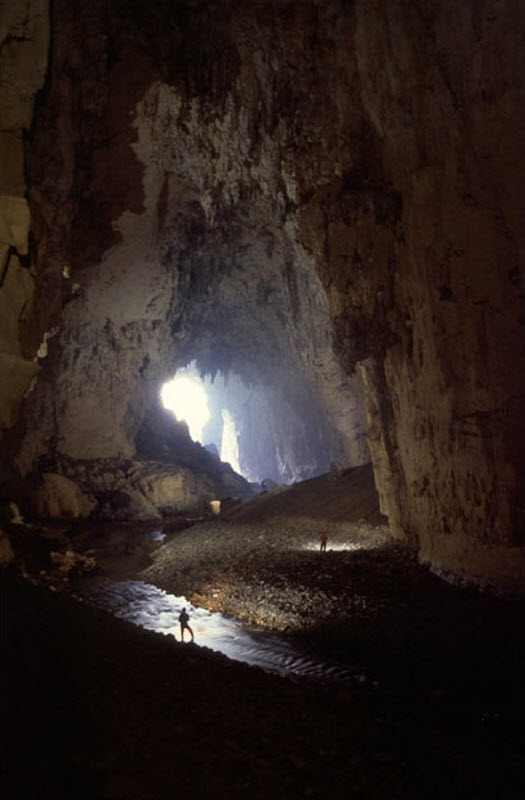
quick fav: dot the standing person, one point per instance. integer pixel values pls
(184, 620)
(322, 539)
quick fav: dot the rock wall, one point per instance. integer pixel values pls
(162, 438)
(324, 194)
(122, 490)
(431, 291)
(24, 38)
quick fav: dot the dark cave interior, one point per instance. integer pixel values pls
(317, 209)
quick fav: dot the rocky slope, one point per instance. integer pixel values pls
(260, 561)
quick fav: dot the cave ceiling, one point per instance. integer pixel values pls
(176, 206)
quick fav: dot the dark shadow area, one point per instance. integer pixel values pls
(100, 709)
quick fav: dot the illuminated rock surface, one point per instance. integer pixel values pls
(58, 496)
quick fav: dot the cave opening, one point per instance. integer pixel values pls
(268, 427)
(197, 400)
(186, 397)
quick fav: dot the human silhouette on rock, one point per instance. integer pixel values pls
(322, 539)
(184, 626)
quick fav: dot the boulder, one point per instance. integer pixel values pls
(7, 555)
(172, 489)
(58, 497)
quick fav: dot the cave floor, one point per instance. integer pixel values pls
(100, 709)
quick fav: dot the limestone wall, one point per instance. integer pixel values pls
(24, 36)
(442, 309)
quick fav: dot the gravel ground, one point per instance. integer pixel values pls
(365, 599)
(272, 574)
(101, 710)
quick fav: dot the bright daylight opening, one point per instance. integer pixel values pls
(229, 445)
(186, 397)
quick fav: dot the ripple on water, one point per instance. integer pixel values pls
(155, 610)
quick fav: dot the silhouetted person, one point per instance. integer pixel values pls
(184, 619)
(322, 539)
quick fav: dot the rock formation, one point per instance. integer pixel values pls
(323, 200)
(284, 435)
(24, 36)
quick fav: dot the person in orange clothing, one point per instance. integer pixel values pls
(322, 539)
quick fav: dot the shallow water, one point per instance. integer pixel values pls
(151, 608)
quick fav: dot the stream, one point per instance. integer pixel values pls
(153, 609)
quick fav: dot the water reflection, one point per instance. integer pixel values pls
(151, 608)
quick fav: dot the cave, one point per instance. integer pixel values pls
(313, 208)
(172, 196)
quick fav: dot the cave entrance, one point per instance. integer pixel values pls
(186, 397)
(192, 400)
(270, 428)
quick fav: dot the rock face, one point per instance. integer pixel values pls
(59, 497)
(323, 199)
(161, 437)
(24, 36)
